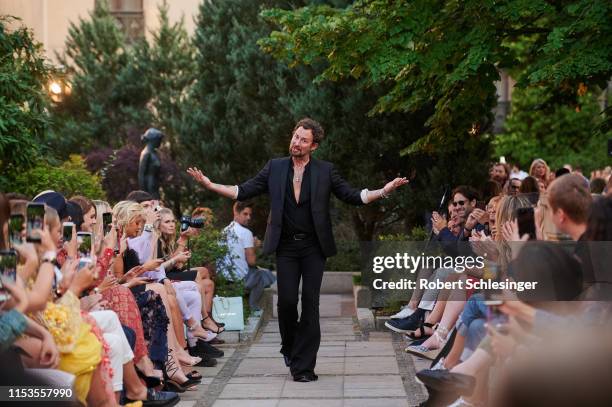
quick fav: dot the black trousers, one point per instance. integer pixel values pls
(297, 260)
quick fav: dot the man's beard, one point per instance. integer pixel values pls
(298, 154)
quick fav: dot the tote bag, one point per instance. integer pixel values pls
(229, 311)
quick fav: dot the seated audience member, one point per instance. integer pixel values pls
(240, 262)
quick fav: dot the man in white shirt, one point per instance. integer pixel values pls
(239, 264)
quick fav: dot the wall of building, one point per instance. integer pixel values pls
(50, 19)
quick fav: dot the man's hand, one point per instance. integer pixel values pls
(199, 177)
(395, 184)
(437, 221)
(474, 218)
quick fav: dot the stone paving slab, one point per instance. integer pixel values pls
(374, 386)
(355, 369)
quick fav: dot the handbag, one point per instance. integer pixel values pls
(229, 310)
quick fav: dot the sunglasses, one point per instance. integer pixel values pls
(461, 203)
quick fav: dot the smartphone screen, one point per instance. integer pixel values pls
(35, 217)
(15, 229)
(83, 262)
(67, 231)
(84, 242)
(107, 222)
(8, 265)
(526, 222)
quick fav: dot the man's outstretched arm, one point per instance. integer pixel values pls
(249, 189)
(228, 191)
(353, 196)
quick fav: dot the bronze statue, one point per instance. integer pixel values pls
(150, 164)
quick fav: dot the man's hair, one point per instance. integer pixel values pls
(561, 171)
(467, 191)
(239, 206)
(309, 124)
(571, 194)
(598, 185)
(139, 196)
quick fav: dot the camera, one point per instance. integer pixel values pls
(187, 222)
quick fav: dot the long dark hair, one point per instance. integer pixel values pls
(5, 214)
(599, 224)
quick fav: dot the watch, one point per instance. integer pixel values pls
(148, 227)
(49, 257)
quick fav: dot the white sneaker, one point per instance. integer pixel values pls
(405, 312)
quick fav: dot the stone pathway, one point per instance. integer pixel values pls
(355, 369)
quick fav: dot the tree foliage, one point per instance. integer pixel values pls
(540, 128)
(447, 53)
(246, 103)
(70, 178)
(23, 101)
(109, 96)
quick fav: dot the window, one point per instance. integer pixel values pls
(130, 16)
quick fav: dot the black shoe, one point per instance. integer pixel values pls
(287, 360)
(203, 348)
(206, 361)
(158, 398)
(447, 382)
(305, 378)
(409, 324)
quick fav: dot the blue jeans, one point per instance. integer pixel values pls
(471, 323)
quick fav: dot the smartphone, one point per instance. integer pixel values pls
(84, 262)
(8, 265)
(487, 229)
(35, 214)
(481, 205)
(526, 222)
(84, 241)
(107, 222)
(15, 229)
(67, 231)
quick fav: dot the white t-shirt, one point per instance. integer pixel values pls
(238, 239)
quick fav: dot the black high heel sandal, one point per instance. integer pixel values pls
(169, 369)
(219, 327)
(421, 329)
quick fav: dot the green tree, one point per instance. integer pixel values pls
(539, 127)
(170, 63)
(69, 178)
(109, 89)
(23, 101)
(447, 53)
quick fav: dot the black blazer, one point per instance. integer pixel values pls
(324, 179)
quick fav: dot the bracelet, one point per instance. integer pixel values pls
(383, 194)
(148, 227)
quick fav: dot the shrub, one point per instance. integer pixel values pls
(70, 178)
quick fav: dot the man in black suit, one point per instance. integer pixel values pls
(300, 232)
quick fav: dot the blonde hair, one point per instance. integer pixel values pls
(168, 242)
(546, 174)
(506, 211)
(51, 217)
(548, 230)
(125, 212)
